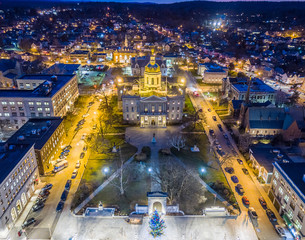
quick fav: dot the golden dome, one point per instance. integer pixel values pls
(152, 66)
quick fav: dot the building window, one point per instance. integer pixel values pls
(19, 103)
(12, 103)
(281, 190)
(274, 182)
(38, 103)
(47, 109)
(276, 174)
(4, 103)
(286, 198)
(39, 109)
(46, 103)
(292, 205)
(33, 115)
(300, 216)
(31, 103)
(6, 114)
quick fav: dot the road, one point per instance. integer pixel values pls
(253, 190)
(45, 226)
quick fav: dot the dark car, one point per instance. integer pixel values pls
(239, 161)
(234, 179)
(82, 155)
(68, 184)
(200, 110)
(85, 148)
(240, 189)
(211, 131)
(262, 202)
(245, 170)
(214, 118)
(28, 222)
(229, 170)
(60, 206)
(220, 127)
(245, 200)
(38, 206)
(225, 136)
(47, 187)
(44, 193)
(252, 213)
(67, 147)
(209, 109)
(41, 199)
(271, 215)
(64, 195)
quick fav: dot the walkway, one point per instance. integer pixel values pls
(141, 137)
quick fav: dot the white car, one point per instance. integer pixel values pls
(252, 213)
(280, 230)
(77, 164)
(74, 174)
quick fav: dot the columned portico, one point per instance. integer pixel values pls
(153, 121)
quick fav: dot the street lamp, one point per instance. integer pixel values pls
(106, 170)
(150, 170)
(202, 170)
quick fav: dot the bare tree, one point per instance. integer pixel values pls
(176, 181)
(177, 141)
(244, 142)
(121, 182)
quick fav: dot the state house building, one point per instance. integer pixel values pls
(155, 101)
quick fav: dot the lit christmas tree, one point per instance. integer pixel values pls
(156, 225)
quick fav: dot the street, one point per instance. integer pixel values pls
(253, 190)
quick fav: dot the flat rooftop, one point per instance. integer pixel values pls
(293, 173)
(10, 158)
(256, 86)
(265, 157)
(56, 86)
(36, 130)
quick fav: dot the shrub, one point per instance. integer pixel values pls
(146, 150)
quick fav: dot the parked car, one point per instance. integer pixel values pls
(44, 193)
(47, 186)
(216, 142)
(234, 179)
(41, 199)
(94, 127)
(60, 206)
(245, 170)
(219, 148)
(38, 206)
(229, 170)
(209, 109)
(28, 222)
(77, 165)
(280, 230)
(214, 118)
(211, 131)
(252, 213)
(74, 174)
(225, 136)
(245, 200)
(68, 184)
(262, 202)
(85, 148)
(67, 147)
(220, 127)
(239, 161)
(82, 155)
(271, 215)
(64, 195)
(240, 189)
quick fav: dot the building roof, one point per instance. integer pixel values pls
(269, 118)
(213, 67)
(36, 131)
(256, 86)
(266, 157)
(7, 64)
(10, 157)
(293, 173)
(53, 85)
(61, 68)
(153, 98)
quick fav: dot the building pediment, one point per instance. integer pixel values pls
(153, 98)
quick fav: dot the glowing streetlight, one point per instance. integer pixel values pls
(106, 170)
(150, 170)
(202, 170)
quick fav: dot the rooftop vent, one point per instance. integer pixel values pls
(48, 123)
(54, 78)
(20, 138)
(34, 131)
(11, 147)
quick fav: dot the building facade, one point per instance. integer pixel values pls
(153, 111)
(19, 177)
(46, 134)
(287, 193)
(54, 97)
(212, 73)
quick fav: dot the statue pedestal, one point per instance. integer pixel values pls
(195, 149)
(114, 150)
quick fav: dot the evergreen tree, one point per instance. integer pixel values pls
(156, 225)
